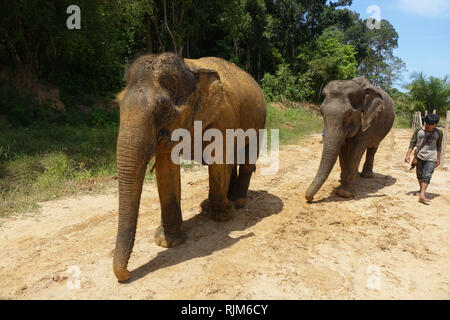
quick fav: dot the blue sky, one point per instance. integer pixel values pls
(423, 27)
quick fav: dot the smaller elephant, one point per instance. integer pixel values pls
(357, 116)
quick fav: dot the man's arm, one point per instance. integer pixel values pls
(408, 155)
(412, 144)
(439, 147)
(439, 140)
(413, 141)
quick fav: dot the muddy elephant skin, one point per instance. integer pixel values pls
(357, 116)
(163, 93)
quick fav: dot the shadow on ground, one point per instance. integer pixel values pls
(429, 195)
(206, 236)
(364, 188)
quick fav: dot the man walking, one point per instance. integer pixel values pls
(429, 142)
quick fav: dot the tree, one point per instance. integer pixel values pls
(255, 35)
(330, 59)
(378, 62)
(395, 67)
(314, 37)
(284, 85)
(429, 94)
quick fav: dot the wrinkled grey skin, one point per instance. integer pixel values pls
(357, 116)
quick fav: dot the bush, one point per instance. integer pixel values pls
(21, 110)
(286, 86)
(100, 117)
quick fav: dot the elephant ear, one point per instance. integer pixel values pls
(209, 94)
(373, 104)
(119, 96)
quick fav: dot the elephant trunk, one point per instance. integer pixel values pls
(333, 141)
(133, 154)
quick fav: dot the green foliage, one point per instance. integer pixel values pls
(403, 103)
(286, 86)
(43, 162)
(425, 94)
(375, 48)
(402, 120)
(89, 60)
(100, 118)
(330, 59)
(429, 94)
(45, 152)
(21, 110)
(319, 37)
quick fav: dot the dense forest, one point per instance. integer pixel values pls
(304, 43)
(291, 47)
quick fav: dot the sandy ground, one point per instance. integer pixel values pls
(383, 244)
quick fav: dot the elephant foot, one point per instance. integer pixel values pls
(219, 214)
(205, 206)
(169, 239)
(223, 214)
(366, 174)
(344, 192)
(122, 274)
(239, 203)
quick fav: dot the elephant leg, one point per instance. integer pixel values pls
(170, 233)
(233, 182)
(368, 164)
(220, 206)
(240, 189)
(349, 160)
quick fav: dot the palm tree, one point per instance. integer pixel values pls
(429, 94)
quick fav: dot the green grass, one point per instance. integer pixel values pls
(40, 163)
(402, 121)
(293, 123)
(44, 162)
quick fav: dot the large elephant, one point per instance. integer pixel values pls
(163, 93)
(357, 116)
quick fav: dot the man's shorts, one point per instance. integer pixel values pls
(424, 170)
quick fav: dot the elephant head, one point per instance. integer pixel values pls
(161, 94)
(349, 109)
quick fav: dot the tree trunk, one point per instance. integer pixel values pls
(187, 48)
(148, 33)
(259, 65)
(168, 29)
(235, 48)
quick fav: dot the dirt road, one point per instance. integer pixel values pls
(383, 244)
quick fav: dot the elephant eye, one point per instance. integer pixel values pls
(163, 134)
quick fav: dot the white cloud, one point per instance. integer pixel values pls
(428, 8)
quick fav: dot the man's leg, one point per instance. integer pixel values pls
(428, 169)
(423, 189)
(416, 193)
(419, 173)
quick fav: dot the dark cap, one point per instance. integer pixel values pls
(431, 119)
